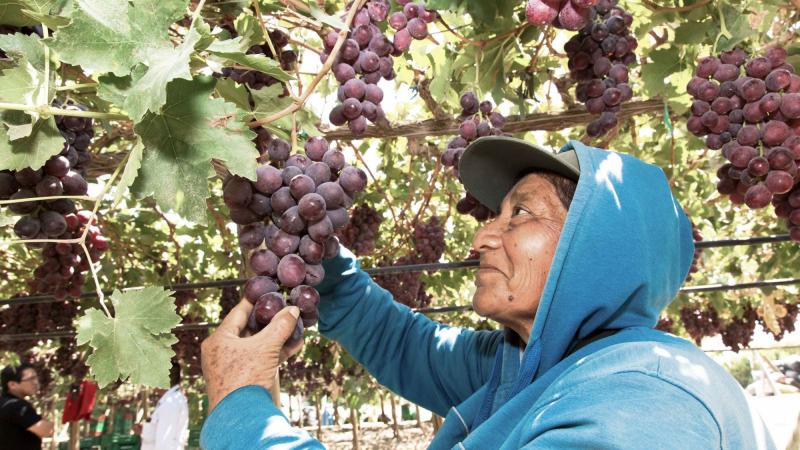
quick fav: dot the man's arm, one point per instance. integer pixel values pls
(247, 419)
(433, 365)
(625, 411)
(43, 428)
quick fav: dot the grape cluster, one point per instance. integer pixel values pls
(429, 240)
(665, 324)
(599, 56)
(697, 252)
(700, 322)
(360, 233)
(407, 287)
(61, 272)
(738, 332)
(477, 120)
(228, 300)
(365, 58)
(786, 320)
(68, 360)
(567, 14)
(187, 349)
(754, 118)
(306, 198)
(255, 79)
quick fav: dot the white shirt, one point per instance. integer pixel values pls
(168, 428)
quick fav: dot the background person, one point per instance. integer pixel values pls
(168, 427)
(21, 427)
(588, 248)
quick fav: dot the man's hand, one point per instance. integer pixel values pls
(231, 360)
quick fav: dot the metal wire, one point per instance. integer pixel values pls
(438, 310)
(384, 270)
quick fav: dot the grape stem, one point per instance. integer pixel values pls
(46, 62)
(297, 104)
(75, 87)
(196, 12)
(264, 28)
(428, 192)
(51, 111)
(375, 184)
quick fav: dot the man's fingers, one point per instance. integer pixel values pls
(281, 326)
(236, 320)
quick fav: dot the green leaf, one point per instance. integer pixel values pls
(260, 63)
(112, 35)
(49, 21)
(12, 11)
(665, 62)
(135, 343)
(24, 85)
(442, 76)
(327, 19)
(233, 92)
(149, 91)
(32, 151)
(693, 32)
(114, 89)
(181, 141)
(130, 171)
(249, 30)
(23, 46)
(270, 100)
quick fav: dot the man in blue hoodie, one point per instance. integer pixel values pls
(588, 248)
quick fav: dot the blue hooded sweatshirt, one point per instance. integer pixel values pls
(594, 373)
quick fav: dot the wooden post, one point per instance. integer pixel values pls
(336, 418)
(383, 410)
(319, 418)
(437, 423)
(74, 435)
(394, 417)
(419, 419)
(354, 422)
(275, 392)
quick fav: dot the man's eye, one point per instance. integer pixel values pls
(518, 211)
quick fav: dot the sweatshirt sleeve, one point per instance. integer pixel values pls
(247, 418)
(624, 411)
(433, 365)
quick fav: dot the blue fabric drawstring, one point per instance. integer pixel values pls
(494, 381)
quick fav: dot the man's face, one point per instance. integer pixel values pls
(28, 384)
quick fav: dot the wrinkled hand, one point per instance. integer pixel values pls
(232, 359)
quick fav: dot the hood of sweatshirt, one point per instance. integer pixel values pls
(624, 251)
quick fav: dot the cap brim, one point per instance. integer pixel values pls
(492, 165)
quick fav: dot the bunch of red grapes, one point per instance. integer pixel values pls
(478, 119)
(567, 14)
(407, 287)
(360, 233)
(738, 332)
(599, 56)
(63, 265)
(785, 322)
(754, 118)
(228, 300)
(287, 218)
(365, 58)
(255, 79)
(187, 349)
(697, 252)
(700, 322)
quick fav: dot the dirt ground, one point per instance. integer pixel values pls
(377, 436)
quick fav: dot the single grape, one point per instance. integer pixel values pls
(352, 179)
(257, 287)
(267, 306)
(315, 273)
(310, 250)
(312, 207)
(291, 270)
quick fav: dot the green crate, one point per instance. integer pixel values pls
(194, 438)
(124, 442)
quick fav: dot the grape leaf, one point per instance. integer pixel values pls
(114, 89)
(49, 21)
(270, 100)
(326, 18)
(24, 85)
(111, 35)
(135, 343)
(230, 91)
(249, 30)
(32, 151)
(11, 11)
(231, 50)
(130, 171)
(181, 141)
(28, 47)
(149, 91)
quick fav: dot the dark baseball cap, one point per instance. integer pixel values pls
(492, 165)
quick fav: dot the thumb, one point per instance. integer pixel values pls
(280, 327)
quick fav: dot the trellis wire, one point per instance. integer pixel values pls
(385, 270)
